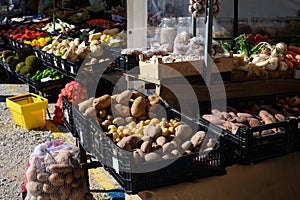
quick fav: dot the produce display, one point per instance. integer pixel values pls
(50, 74)
(256, 115)
(40, 42)
(21, 61)
(104, 23)
(292, 57)
(134, 123)
(60, 26)
(28, 35)
(290, 104)
(75, 92)
(55, 173)
(257, 55)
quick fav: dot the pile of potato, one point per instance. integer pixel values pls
(290, 103)
(139, 124)
(56, 175)
(257, 115)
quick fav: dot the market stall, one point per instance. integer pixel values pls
(159, 105)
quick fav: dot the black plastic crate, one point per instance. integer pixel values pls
(97, 141)
(126, 62)
(82, 127)
(176, 170)
(295, 139)
(68, 116)
(244, 148)
(72, 68)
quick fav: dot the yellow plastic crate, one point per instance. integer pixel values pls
(28, 110)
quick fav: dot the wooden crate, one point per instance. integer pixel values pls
(240, 76)
(160, 70)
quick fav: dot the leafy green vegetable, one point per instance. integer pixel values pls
(242, 45)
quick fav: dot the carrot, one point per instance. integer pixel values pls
(294, 54)
(289, 63)
(289, 56)
(294, 49)
(297, 57)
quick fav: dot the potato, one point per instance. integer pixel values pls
(245, 115)
(147, 138)
(175, 152)
(54, 196)
(146, 146)
(78, 172)
(253, 122)
(102, 102)
(48, 187)
(90, 112)
(176, 140)
(43, 196)
(124, 145)
(213, 119)
(106, 123)
(42, 177)
(165, 131)
(138, 156)
(63, 157)
(211, 143)
(154, 100)
(279, 117)
(168, 147)
(85, 104)
(102, 113)
(132, 140)
(153, 131)
(142, 118)
(64, 191)
(76, 193)
(154, 121)
(69, 178)
(187, 152)
(31, 173)
(198, 138)
(124, 97)
(76, 182)
(136, 94)
(167, 156)
(138, 107)
(161, 140)
(59, 168)
(186, 145)
(153, 156)
(138, 131)
(120, 110)
(118, 121)
(183, 131)
(130, 119)
(34, 188)
(131, 125)
(56, 179)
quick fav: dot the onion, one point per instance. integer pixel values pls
(281, 47)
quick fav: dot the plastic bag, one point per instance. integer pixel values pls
(55, 172)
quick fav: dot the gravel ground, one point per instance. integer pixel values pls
(16, 144)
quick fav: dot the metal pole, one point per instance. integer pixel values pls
(194, 26)
(235, 18)
(53, 15)
(208, 42)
